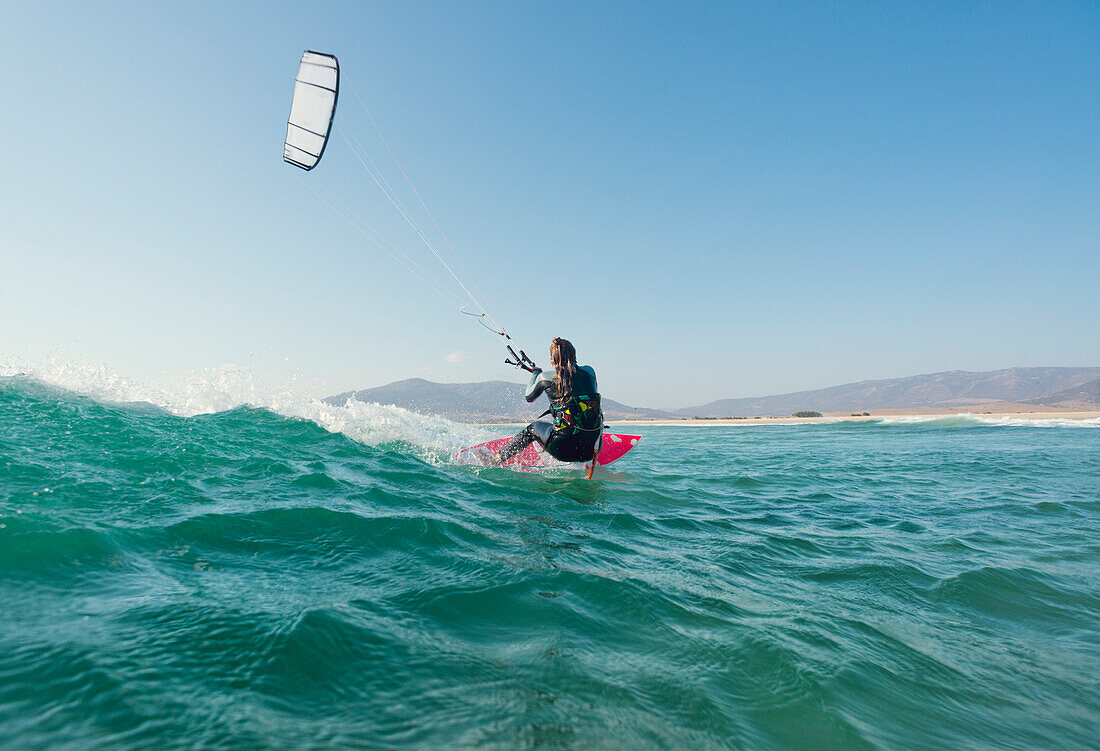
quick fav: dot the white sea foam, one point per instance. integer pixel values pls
(227, 387)
(965, 419)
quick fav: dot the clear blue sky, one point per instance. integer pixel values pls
(710, 199)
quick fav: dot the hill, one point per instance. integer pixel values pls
(486, 401)
(1085, 396)
(953, 388)
(502, 401)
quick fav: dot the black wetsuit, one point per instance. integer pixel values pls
(564, 442)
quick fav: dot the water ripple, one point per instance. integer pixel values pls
(245, 580)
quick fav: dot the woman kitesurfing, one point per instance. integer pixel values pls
(574, 433)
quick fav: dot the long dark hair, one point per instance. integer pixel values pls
(563, 357)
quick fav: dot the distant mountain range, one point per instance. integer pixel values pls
(498, 401)
(955, 388)
(1076, 397)
(486, 401)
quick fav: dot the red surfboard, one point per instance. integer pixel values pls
(615, 445)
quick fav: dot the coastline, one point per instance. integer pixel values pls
(900, 414)
(996, 411)
(1039, 413)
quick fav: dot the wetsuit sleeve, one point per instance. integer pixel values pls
(591, 371)
(538, 384)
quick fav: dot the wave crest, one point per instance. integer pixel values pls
(966, 419)
(228, 387)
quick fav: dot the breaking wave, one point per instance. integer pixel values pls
(221, 389)
(966, 420)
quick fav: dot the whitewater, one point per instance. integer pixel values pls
(206, 561)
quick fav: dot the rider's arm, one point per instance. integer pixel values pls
(589, 369)
(539, 382)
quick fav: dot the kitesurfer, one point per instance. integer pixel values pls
(576, 428)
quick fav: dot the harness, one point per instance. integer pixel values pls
(580, 413)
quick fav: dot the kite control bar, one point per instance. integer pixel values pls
(521, 360)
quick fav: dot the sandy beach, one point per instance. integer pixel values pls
(998, 410)
(995, 410)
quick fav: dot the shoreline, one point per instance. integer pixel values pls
(893, 414)
(1042, 413)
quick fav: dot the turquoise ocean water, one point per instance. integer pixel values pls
(202, 574)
